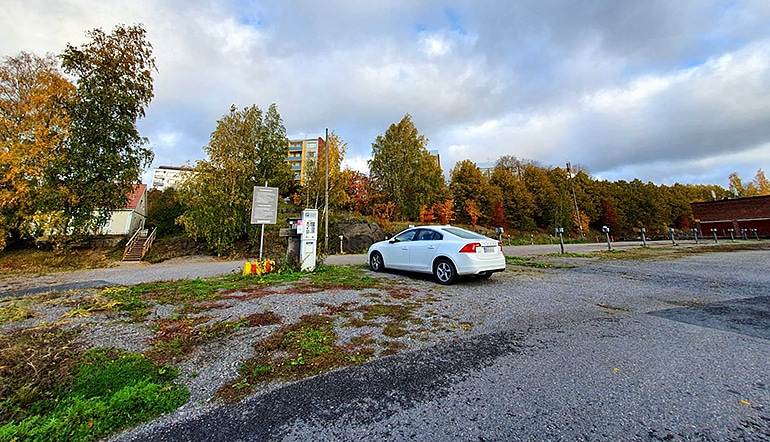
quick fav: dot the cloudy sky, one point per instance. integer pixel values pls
(660, 90)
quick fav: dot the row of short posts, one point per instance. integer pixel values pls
(744, 234)
(560, 233)
(671, 231)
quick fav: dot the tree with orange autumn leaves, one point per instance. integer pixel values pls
(34, 125)
(71, 153)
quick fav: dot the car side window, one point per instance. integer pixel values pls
(429, 235)
(405, 236)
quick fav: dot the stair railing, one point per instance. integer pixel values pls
(148, 242)
(131, 243)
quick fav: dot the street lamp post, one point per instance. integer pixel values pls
(574, 198)
(326, 194)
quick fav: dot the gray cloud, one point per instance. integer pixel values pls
(659, 90)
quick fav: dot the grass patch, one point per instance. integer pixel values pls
(192, 295)
(35, 363)
(571, 255)
(526, 262)
(350, 277)
(50, 390)
(39, 262)
(681, 251)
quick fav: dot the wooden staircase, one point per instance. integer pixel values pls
(139, 245)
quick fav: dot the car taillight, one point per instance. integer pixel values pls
(500, 244)
(470, 247)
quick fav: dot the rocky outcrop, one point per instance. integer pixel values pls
(357, 234)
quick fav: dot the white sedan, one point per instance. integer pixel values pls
(444, 251)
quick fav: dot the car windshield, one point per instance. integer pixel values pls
(462, 233)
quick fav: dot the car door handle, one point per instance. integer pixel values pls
(404, 248)
(431, 247)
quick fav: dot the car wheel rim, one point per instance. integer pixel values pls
(443, 272)
(376, 262)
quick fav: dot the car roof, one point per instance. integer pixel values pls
(447, 228)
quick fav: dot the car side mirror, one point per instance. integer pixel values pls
(393, 241)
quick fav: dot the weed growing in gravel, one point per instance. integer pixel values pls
(398, 317)
(177, 337)
(295, 351)
(15, 311)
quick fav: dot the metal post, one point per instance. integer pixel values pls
(326, 195)
(695, 232)
(262, 236)
(560, 231)
(743, 234)
(341, 236)
(606, 231)
(714, 231)
(732, 238)
(644, 238)
(756, 235)
(671, 231)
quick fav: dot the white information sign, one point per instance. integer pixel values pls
(264, 205)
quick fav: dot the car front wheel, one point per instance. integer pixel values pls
(444, 271)
(375, 262)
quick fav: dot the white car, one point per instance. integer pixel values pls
(444, 251)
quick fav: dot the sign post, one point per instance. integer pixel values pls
(264, 209)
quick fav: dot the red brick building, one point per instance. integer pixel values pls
(737, 214)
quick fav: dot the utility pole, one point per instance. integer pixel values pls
(326, 195)
(574, 198)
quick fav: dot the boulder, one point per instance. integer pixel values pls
(358, 235)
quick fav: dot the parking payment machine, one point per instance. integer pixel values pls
(309, 235)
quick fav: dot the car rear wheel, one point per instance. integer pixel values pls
(444, 271)
(376, 263)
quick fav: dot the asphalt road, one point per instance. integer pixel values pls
(592, 350)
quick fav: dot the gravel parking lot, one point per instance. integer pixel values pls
(589, 349)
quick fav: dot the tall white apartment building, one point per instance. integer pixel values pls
(165, 177)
